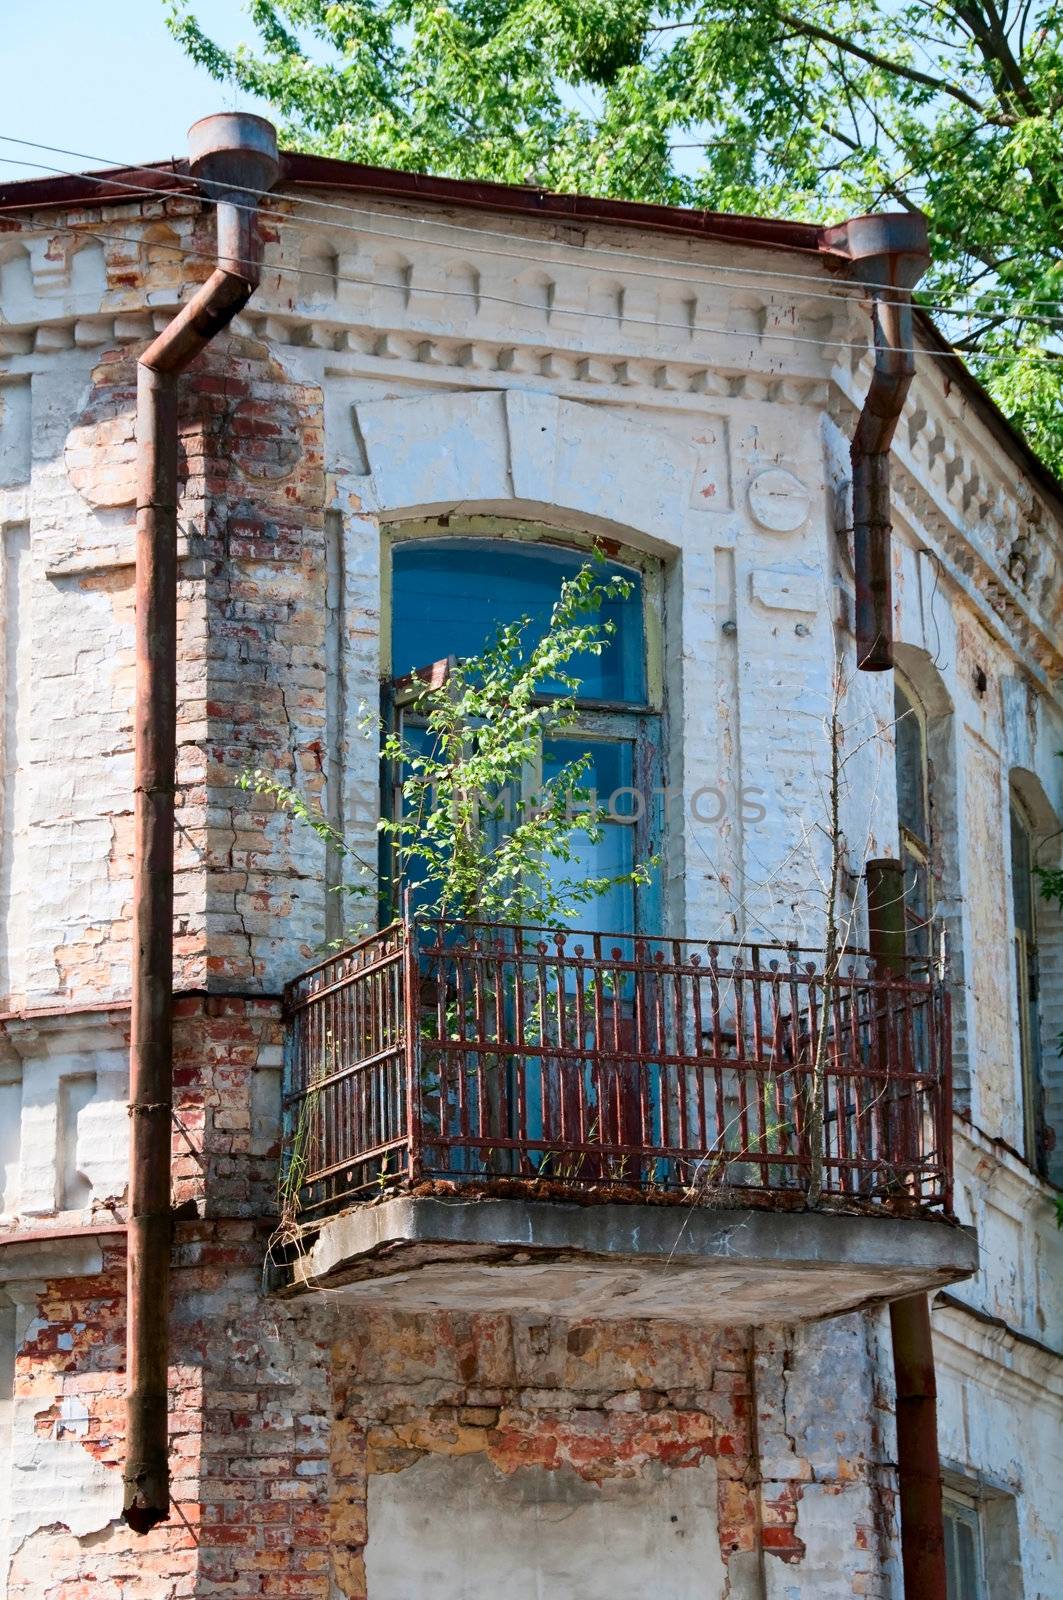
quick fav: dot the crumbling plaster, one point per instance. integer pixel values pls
(68, 1131)
(737, 427)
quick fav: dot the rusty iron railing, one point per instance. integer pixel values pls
(484, 1054)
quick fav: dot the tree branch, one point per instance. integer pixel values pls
(972, 341)
(897, 68)
(1004, 72)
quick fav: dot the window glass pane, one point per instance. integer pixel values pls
(449, 597)
(610, 767)
(609, 856)
(1021, 874)
(612, 911)
(917, 904)
(951, 1592)
(967, 1562)
(613, 854)
(911, 766)
(963, 1553)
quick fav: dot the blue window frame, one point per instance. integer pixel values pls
(449, 596)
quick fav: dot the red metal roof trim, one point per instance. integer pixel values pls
(323, 172)
(517, 200)
(93, 188)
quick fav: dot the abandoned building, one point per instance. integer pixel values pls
(613, 1249)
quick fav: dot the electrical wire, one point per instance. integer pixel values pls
(619, 257)
(481, 295)
(848, 291)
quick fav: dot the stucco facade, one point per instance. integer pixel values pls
(407, 369)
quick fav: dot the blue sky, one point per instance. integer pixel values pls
(106, 78)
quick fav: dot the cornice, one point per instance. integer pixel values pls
(998, 538)
(995, 539)
(1022, 1366)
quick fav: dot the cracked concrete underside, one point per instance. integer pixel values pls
(709, 1266)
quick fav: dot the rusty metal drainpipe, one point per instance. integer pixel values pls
(889, 253)
(230, 149)
(918, 1462)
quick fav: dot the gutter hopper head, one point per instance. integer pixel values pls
(233, 150)
(886, 247)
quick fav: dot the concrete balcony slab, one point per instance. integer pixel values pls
(694, 1264)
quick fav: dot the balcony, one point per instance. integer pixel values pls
(484, 1117)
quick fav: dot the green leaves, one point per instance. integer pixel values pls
(804, 108)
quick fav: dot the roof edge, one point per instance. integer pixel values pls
(155, 180)
(955, 370)
(111, 185)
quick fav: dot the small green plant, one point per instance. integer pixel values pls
(465, 841)
(290, 1180)
(293, 1172)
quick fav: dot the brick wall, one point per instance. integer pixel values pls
(286, 1413)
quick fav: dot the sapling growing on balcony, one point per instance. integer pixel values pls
(464, 844)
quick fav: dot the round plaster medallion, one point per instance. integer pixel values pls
(778, 500)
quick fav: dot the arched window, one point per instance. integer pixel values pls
(448, 598)
(1024, 933)
(913, 813)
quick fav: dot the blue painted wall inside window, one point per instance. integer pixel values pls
(449, 597)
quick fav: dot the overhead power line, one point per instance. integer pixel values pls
(617, 257)
(481, 295)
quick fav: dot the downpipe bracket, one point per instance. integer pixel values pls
(889, 252)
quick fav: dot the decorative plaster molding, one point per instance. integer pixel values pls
(436, 452)
(427, 310)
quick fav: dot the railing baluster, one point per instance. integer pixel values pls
(741, 1055)
(797, 1069)
(781, 1133)
(480, 1079)
(441, 1057)
(760, 1078)
(521, 1056)
(543, 1020)
(817, 1122)
(833, 1059)
(580, 1032)
(656, 1042)
(460, 1086)
(698, 1052)
(717, 1050)
(556, 972)
(943, 1087)
(601, 1108)
(909, 1055)
(643, 1050)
